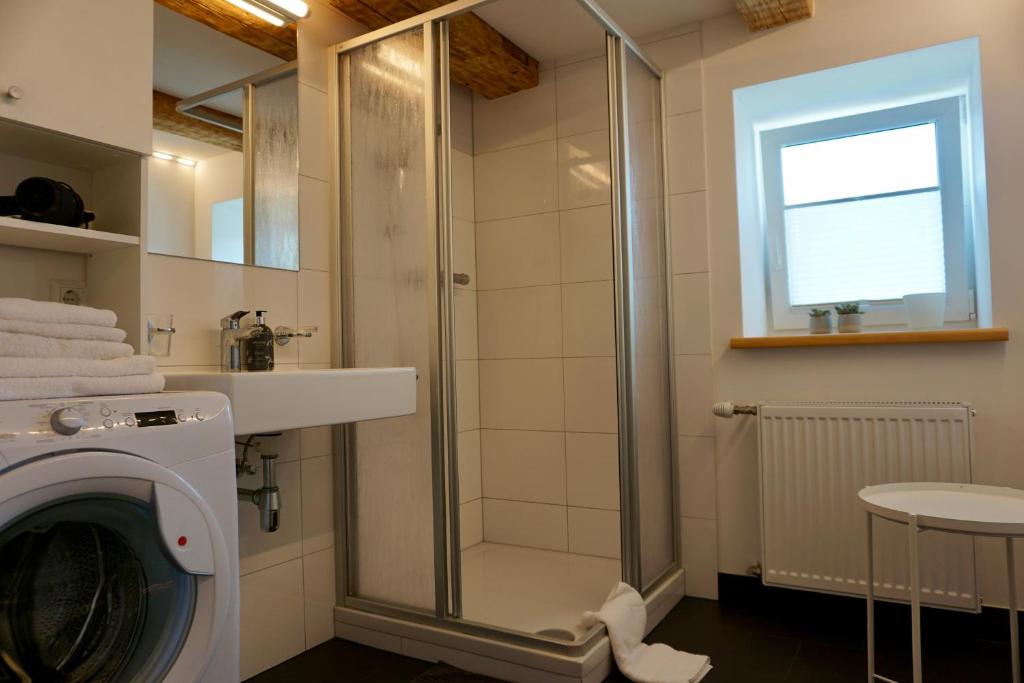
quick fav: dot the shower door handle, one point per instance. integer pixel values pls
(460, 278)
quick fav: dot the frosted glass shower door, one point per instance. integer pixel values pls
(645, 204)
(390, 316)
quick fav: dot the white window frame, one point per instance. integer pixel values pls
(947, 115)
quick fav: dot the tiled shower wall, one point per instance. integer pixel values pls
(545, 314)
(287, 584)
(548, 457)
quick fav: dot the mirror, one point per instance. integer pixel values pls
(223, 178)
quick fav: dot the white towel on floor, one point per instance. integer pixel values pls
(34, 346)
(69, 387)
(75, 367)
(625, 616)
(63, 330)
(51, 312)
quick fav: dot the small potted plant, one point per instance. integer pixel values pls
(819, 321)
(850, 317)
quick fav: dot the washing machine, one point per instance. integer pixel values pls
(118, 540)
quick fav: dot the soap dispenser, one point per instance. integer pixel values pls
(259, 354)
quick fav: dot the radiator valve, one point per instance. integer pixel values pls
(728, 409)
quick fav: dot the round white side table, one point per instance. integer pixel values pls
(956, 508)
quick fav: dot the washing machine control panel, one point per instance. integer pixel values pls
(115, 422)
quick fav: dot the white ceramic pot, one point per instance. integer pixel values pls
(821, 324)
(851, 322)
(925, 311)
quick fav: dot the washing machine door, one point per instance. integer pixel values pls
(112, 568)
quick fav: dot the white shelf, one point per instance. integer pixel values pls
(19, 233)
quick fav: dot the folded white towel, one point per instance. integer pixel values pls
(63, 330)
(34, 346)
(52, 312)
(68, 387)
(625, 616)
(75, 367)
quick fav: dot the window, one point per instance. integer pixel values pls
(866, 208)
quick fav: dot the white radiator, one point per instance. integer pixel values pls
(815, 457)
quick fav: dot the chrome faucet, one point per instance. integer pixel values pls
(231, 337)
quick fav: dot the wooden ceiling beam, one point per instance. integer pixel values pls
(167, 118)
(482, 59)
(222, 16)
(761, 15)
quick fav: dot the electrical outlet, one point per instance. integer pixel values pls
(67, 292)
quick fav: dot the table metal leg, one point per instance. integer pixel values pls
(871, 599)
(1011, 583)
(915, 598)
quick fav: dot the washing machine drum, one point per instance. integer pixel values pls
(86, 595)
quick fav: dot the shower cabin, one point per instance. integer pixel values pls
(515, 251)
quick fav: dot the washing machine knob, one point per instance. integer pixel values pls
(67, 421)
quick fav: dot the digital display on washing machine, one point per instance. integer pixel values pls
(156, 418)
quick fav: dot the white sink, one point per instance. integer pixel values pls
(291, 399)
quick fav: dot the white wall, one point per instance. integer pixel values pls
(983, 374)
(217, 179)
(170, 204)
(288, 589)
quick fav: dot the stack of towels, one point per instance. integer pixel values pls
(51, 350)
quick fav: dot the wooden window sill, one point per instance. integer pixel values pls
(986, 334)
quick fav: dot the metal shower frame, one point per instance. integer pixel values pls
(442, 373)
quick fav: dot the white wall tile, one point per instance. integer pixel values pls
(471, 523)
(588, 319)
(318, 584)
(679, 58)
(520, 323)
(594, 532)
(316, 441)
(686, 153)
(463, 191)
(258, 549)
(314, 224)
(535, 525)
(521, 394)
(314, 297)
(586, 248)
(273, 617)
(464, 251)
(314, 155)
(516, 182)
(462, 118)
(466, 347)
(693, 396)
(590, 395)
(525, 466)
(689, 216)
(697, 476)
(592, 470)
(467, 394)
(518, 252)
(317, 504)
(584, 172)
(323, 27)
(469, 465)
(582, 97)
(700, 557)
(525, 117)
(692, 316)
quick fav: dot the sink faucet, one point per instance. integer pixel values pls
(231, 337)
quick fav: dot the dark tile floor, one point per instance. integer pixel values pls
(768, 637)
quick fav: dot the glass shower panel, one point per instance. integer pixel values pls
(275, 144)
(646, 216)
(390, 316)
